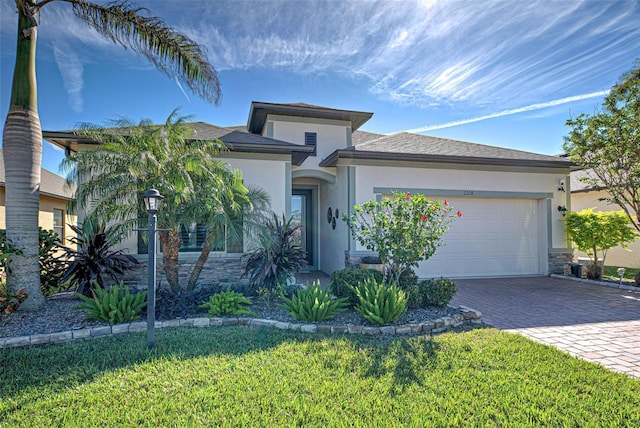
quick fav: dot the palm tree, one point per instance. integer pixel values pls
(131, 158)
(171, 52)
(228, 215)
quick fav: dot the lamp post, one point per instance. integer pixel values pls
(152, 200)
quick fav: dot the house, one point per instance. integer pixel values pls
(54, 198)
(314, 162)
(583, 197)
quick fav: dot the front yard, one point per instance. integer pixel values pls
(238, 376)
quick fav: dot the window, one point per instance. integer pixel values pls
(58, 223)
(311, 139)
(193, 238)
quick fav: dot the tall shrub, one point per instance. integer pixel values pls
(403, 229)
(597, 232)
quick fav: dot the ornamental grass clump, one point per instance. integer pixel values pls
(116, 305)
(343, 281)
(314, 304)
(227, 302)
(380, 302)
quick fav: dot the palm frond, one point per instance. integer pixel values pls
(173, 53)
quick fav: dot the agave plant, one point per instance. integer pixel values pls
(94, 262)
(279, 255)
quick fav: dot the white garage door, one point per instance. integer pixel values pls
(494, 237)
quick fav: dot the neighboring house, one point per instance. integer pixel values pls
(314, 163)
(582, 197)
(54, 198)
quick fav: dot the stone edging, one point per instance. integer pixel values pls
(594, 282)
(466, 316)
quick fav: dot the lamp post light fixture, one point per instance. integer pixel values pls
(152, 200)
(621, 272)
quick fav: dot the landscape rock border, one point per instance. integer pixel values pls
(595, 282)
(464, 317)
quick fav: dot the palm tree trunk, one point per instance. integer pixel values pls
(22, 147)
(202, 259)
(171, 243)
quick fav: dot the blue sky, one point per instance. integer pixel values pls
(503, 73)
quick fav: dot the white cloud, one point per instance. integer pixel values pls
(463, 55)
(532, 107)
(426, 53)
(71, 70)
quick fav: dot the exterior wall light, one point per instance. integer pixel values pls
(152, 200)
(561, 188)
(563, 210)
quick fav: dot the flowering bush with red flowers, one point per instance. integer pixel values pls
(404, 229)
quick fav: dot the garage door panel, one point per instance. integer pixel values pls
(494, 237)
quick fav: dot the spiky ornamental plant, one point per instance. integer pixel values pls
(279, 255)
(123, 23)
(314, 304)
(94, 262)
(380, 302)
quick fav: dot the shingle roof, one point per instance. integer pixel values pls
(234, 139)
(415, 147)
(359, 137)
(50, 184)
(404, 142)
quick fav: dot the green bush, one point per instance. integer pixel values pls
(227, 302)
(10, 301)
(342, 281)
(117, 305)
(437, 291)
(314, 304)
(379, 302)
(52, 267)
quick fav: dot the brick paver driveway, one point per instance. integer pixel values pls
(596, 323)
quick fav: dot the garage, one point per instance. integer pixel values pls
(494, 237)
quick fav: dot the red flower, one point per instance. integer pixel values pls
(424, 217)
(459, 214)
(446, 204)
(408, 196)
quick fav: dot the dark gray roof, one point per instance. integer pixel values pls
(235, 140)
(50, 184)
(260, 110)
(422, 148)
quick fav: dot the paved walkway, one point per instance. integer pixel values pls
(596, 323)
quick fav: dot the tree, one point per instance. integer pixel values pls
(597, 232)
(403, 229)
(121, 22)
(607, 145)
(131, 158)
(228, 217)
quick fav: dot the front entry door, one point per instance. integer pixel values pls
(302, 213)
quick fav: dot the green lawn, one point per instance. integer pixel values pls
(237, 376)
(611, 272)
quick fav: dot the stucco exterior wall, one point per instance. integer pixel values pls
(331, 135)
(333, 242)
(45, 215)
(469, 184)
(616, 256)
(368, 177)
